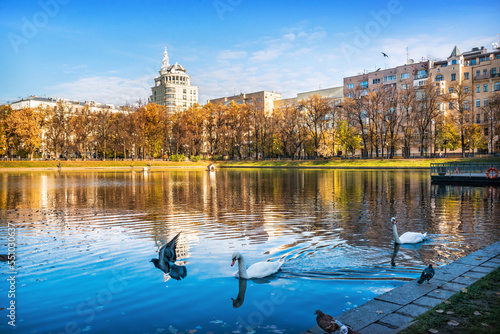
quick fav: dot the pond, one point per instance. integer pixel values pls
(85, 240)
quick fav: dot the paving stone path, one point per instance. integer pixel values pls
(395, 309)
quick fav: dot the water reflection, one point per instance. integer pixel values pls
(332, 226)
(395, 253)
(242, 288)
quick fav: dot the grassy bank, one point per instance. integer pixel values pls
(473, 310)
(337, 163)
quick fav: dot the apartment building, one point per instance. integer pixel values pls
(478, 72)
(263, 99)
(35, 101)
(401, 77)
(173, 87)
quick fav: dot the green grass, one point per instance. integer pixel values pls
(90, 164)
(408, 163)
(483, 296)
(376, 163)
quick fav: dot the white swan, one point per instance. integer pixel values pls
(256, 270)
(408, 237)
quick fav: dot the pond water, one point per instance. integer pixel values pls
(85, 241)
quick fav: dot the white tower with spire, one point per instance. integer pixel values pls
(164, 62)
(173, 87)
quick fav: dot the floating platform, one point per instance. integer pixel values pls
(470, 174)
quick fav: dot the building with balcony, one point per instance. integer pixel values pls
(477, 72)
(35, 101)
(173, 87)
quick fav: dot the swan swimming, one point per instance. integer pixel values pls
(256, 270)
(408, 237)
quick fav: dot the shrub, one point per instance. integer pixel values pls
(195, 158)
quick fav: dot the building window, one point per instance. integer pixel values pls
(466, 76)
(485, 72)
(376, 81)
(437, 91)
(184, 91)
(485, 102)
(259, 99)
(389, 77)
(481, 59)
(493, 71)
(451, 105)
(405, 75)
(466, 105)
(364, 84)
(485, 87)
(478, 103)
(466, 89)
(497, 86)
(454, 62)
(472, 62)
(406, 86)
(453, 76)
(477, 73)
(350, 86)
(184, 97)
(439, 78)
(421, 74)
(478, 118)
(450, 90)
(478, 89)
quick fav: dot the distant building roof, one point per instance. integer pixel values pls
(456, 52)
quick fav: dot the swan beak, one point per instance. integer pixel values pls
(232, 263)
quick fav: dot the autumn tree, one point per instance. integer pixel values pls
(315, 109)
(292, 130)
(426, 100)
(474, 137)
(355, 113)
(103, 126)
(458, 102)
(24, 126)
(447, 135)
(5, 111)
(83, 123)
(58, 129)
(347, 137)
(492, 112)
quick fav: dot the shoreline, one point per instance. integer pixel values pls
(397, 309)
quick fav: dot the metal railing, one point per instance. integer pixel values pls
(457, 168)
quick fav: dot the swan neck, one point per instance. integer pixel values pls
(395, 231)
(242, 269)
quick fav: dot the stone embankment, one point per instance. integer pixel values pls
(396, 309)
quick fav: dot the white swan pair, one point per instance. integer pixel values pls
(408, 237)
(256, 270)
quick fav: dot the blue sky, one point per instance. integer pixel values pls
(110, 51)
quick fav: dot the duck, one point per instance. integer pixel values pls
(427, 274)
(256, 270)
(408, 237)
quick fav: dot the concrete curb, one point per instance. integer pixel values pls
(395, 310)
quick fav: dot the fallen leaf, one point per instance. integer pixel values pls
(449, 312)
(478, 258)
(439, 311)
(485, 325)
(477, 313)
(447, 302)
(379, 311)
(434, 331)
(464, 290)
(453, 323)
(437, 291)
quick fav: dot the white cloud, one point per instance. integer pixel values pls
(104, 89)
(290, 36)
(228, 54)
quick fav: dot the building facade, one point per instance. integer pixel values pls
(477, 72)
(263, 99)
(173, 87)
(34, 101)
